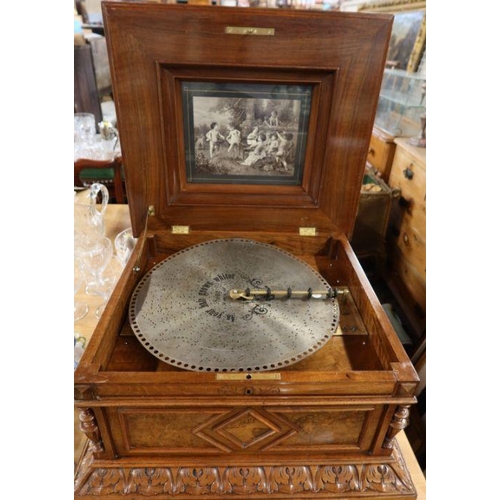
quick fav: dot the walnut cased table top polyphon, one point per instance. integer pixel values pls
(244, 124)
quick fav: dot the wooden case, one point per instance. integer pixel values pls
(323, 427)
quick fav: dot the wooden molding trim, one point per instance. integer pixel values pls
(389, 477)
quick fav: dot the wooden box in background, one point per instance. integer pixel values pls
(372, 220)
(323, 427)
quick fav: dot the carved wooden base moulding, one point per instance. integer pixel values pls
(379, 478)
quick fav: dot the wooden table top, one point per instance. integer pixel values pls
(117, 219)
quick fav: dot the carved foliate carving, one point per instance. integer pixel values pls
(389, 477)
(150, 481)
(291, 479)
(243, 480)
(195, 481)
(340, 478)
(107, 481)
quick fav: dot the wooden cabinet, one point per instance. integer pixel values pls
(381, 152)
(406, 235)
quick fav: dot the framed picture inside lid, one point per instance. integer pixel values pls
(245, 133)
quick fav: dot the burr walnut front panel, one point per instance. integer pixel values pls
(247, 429)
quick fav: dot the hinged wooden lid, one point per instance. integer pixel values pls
(177, 69)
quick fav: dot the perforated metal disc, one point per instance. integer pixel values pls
(182, 313)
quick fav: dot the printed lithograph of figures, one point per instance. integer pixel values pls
(244, 133)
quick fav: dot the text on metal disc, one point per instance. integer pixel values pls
(182, 313)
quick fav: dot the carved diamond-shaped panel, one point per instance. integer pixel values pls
(246, 429)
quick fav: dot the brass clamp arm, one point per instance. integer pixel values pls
(267, 293)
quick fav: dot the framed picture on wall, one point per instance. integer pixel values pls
(407, 43)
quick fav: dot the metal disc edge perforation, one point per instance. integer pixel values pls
(181, 313)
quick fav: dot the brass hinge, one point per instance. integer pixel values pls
(180, 229)
(307, 231)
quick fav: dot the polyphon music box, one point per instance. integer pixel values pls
(243, 352)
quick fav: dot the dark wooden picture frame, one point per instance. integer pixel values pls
(245, 133)
(312, 90)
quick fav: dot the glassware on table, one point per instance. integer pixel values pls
(84, 129)
(99, 150)
(95, 253)
(124, 244)
(80, 308)
(89, 215)
(105, 149)
(89, 145)
(110, 277)
(79, 346)
(107, 130)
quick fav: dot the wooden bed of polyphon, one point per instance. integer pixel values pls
(323, 427)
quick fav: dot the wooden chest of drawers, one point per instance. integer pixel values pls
(381, 152)
(406, 235)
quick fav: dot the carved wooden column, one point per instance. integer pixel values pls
(88, 425)
(400, 420)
